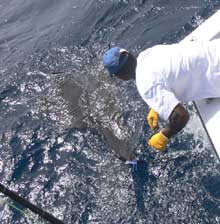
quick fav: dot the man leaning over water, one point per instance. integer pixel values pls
(166, 76)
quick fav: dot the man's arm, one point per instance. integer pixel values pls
(177, 121)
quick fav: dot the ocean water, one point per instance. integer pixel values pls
(66, 127)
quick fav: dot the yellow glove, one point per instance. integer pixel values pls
(152, 119)
(158, 141)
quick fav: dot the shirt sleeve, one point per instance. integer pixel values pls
(161, 100)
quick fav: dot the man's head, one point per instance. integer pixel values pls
(120, 63)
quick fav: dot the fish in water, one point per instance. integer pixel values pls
(98, 108)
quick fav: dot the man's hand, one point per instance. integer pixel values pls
(152, 119)
(177, 120)
(158, 141)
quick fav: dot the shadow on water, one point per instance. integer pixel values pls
(141, 178)
(9, 91)
(33, 152)
(211, 194)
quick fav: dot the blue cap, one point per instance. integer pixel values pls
(111, 60)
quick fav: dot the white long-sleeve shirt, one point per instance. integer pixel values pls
(169, 74)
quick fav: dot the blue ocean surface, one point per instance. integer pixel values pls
(66, 127)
